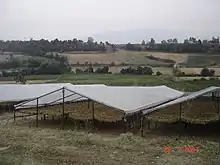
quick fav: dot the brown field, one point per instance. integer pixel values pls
(126, 57)
(198, 70)
(47, 145)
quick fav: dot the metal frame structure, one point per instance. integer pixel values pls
(189, 97)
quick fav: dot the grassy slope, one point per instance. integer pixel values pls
(24, 145)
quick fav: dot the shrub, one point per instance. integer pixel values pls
(158, 73)
(79, 70)
(139, 70)
(112, 63)
(103, 70)
(205, 72)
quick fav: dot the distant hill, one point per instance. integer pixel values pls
(137, 35)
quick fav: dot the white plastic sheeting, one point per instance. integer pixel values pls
(190, 96)
(19, 92)
(127, 99)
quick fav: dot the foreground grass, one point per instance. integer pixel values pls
(23, 145)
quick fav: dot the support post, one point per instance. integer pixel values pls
(180, 115)
(180, 118)
(37, 110)
(124, 124)
(14, 115)
(88, 103)
(63, 104)
(142, 125)
(93, 116)
(218, 104)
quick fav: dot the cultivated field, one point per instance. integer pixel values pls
(124, 57)
(47, 146)
(198, 70)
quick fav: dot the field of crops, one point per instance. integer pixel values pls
(79, 111)
(200, 111)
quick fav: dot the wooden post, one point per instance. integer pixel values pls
(180, 118)
(93, 116)
(142, 125)
(37, 110)
(218, 104)
(180, 115)
(14, 115)
(124, 124)
(88, 103)
(62, 124)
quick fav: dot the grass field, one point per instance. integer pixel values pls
(203, 60)
(48, 146)
(116, 79)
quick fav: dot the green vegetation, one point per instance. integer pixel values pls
(118, 79)
(48, 146)
(191, 45)
(203, 60)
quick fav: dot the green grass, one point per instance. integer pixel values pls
(32, 77)
(49, 146)
(117, 79)
(202, 60)
(113, 79)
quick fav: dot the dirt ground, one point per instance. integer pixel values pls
(20, 144)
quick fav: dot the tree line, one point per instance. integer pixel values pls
(54, 64)
(41, 47)
(190, 45)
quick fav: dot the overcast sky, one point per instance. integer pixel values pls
(68, 19)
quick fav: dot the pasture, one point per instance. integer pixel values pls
(117, 79)
(48, 146)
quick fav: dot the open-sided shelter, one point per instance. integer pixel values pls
(199, 107)
(126, 100)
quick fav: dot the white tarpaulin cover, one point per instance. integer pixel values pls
(190, 96)
(128, 99)
(19, 92)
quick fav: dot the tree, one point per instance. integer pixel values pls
(158, 73)
(147, 71)
(175, 41)
(143, 42)
(19, 78)
(163, 42)
(212, 72)
(152, 43)
(205, 72)
(90, 40)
